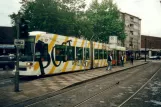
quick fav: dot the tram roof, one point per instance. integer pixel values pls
(34, 33)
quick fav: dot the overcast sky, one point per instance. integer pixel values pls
(148, 10)
(7, 7)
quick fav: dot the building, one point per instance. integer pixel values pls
(153, 45)
(6, 35)
(6, 40)
(132, 30)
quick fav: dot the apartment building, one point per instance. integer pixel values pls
(132, 30)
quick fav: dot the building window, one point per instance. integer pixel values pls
(131, 42)
(131, 25)
(131, 32)
(132, 18)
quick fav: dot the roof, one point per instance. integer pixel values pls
(130, 15)
(34, 33)
(151, 36)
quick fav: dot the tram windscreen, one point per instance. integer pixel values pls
(27, 54)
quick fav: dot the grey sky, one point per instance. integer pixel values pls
(148, 10)
(8, 7)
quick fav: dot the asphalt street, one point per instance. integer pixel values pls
(6, 77)
(149, 96)
(109, 91)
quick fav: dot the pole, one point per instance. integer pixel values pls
(145, 49)
(85, 55)
(17, 60)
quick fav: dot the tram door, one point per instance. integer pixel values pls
(86, 58)
(41, 55)
(91, 55)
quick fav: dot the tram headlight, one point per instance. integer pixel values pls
(29, 64)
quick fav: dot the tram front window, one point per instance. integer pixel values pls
(27, 53)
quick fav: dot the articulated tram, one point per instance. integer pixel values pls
(46, 54)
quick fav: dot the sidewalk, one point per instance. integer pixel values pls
(43, 86)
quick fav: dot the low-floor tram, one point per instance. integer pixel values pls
(46, 54)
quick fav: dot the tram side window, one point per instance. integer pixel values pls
(86, 50)
(100, 54)
(71, 52)
(41, 49)
(45, 52)
(79, 53)
(96, 53)
(105, 54)
(60, 52)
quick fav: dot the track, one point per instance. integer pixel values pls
(139, 89)
(109, 88)
(82, 95)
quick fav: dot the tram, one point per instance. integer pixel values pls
(47, 54)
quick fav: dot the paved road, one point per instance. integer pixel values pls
(109, 91)
(6, 77)
(149, 96)
(4, 74)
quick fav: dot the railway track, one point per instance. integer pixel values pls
(112, 86)
(121, 105)
(105, 88)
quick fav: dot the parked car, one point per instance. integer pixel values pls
(7, 61)
(152, 57)
(157, 57)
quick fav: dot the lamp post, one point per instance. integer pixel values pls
(145, 49)
(150, 50)
(16, 81)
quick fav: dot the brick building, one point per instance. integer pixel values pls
(153, 45)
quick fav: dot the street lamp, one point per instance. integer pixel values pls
(145, 49)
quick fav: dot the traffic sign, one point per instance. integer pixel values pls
(113, 39)
(19, 43)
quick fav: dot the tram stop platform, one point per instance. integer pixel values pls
(39, 89)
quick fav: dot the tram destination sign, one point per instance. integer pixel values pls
(19, 43)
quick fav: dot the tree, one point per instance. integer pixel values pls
(68, 17)
(54, 16)
(106, 21)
